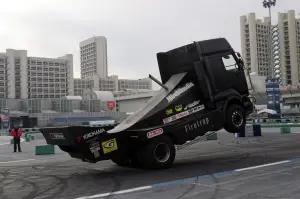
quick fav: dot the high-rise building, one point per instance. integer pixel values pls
(23, 77)
(289, 48)
(255, 48)
(285, 49)
(93, 57)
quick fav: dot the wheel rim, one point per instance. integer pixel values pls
(162, 152)
(237, 118)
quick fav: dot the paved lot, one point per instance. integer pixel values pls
(204, 170)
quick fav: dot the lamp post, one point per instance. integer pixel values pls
(268, 4)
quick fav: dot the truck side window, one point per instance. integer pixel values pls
(229, 62)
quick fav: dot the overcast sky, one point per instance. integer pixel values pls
(135, 29)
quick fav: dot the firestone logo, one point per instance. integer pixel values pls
(179, 91)
(155, 132)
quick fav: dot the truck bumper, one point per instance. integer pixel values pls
(90, 144)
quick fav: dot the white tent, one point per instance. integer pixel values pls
(270, 111)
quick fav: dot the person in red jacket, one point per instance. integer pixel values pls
(16, 133)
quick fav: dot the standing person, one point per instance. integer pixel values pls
(16, 133)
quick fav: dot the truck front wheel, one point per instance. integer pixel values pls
(159, 153)
(235, 118)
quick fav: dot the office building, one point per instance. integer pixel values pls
(23, 77)
(111, 83)
(255, 46)
(289, 48)
(285, 54)
(93, 57)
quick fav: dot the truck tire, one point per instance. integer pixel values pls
(159, 153)
(235, 118)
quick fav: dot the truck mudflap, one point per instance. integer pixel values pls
(91, 144)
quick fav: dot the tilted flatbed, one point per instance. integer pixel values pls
(204, 89)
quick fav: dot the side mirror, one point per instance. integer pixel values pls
(238, 55)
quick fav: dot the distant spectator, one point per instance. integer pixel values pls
(16, 133)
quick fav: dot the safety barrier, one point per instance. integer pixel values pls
(285, 130)
(45, 149)
(250, 130)
(213, 136)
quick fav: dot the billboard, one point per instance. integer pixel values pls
(273, 97)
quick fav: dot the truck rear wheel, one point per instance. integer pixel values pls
(235, 118)
(159, 153)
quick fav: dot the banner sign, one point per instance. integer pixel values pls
(273, 97)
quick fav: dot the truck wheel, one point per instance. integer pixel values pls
(234, 119)
(159, 153)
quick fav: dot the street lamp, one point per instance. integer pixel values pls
(268, 4)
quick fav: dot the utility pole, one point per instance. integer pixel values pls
(268, 4)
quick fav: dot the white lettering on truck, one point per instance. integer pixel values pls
(92, 134)
(191, 105)
(179, 91)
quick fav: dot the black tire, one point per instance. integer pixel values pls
(159, 153)
(235, 118)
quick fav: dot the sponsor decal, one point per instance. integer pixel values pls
(195, 125)
(179, 91)
(183, 114)
(111, 105)
(79, 139)
(191, 105)
(155, 132)
(178, 108)
(57, 136)
(90, 135)
(95, 148)
(109, 146)
(169, 111)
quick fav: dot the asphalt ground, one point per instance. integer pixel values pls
(230, 167)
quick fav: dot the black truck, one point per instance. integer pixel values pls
(204, 89)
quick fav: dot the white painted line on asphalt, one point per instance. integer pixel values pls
(263, 165)
(116, 192)
(13, 161)
(177, 181)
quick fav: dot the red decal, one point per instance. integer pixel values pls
(111, 105)
(155, 132)
(79, 139)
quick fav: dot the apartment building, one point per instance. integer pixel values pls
(23, 77)
(255, 40)
(93, 57)
(289, 48)
(140, 84)
(95, 83)
(284, 51)
(111, 83)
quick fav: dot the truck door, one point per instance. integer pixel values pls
(224, 73)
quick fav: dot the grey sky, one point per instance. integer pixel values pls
(135, 29)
